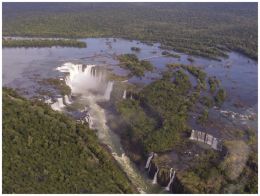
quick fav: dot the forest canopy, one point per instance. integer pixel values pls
(47, 152)
(205, 29)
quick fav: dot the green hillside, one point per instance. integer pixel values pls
(46, 152)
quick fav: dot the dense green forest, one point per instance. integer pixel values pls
(134, 65)
(206, 29)
(212, 173)
(43, 43)
(47, 152)
(158, 114)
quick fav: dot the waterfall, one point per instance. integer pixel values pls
(58, 105)
(155, 176)
(90, 86)
(171, 180)
(48, 101)
(215, 143)
(149, 161)
(171, 172)
(67, 100)
(124, 95)
(80, 79)
(108, 90)
(193, 135)
(209, 139)
(206, 139)
(60, 102)
(201, 136)
(149, 168)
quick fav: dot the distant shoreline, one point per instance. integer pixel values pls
(42, 43)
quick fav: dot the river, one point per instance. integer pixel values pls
(24, 67)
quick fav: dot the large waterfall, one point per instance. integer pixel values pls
(82, 78)
(88, 83)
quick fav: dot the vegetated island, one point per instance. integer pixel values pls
(161, 109)
(134, 65)
(43, 43)
(48, 152)
(157, 121)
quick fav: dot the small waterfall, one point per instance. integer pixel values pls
(58, 105)
(172, 176)
(149, 161)
(108, 90)
(48, 101)
(193, 135)
(171, 172)
(124, 95)
(209, 139)
(215, 143)
(206, 139)
(155, 176)
(201, 136)
(149, 168)
(67, 100)
(60, 102)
